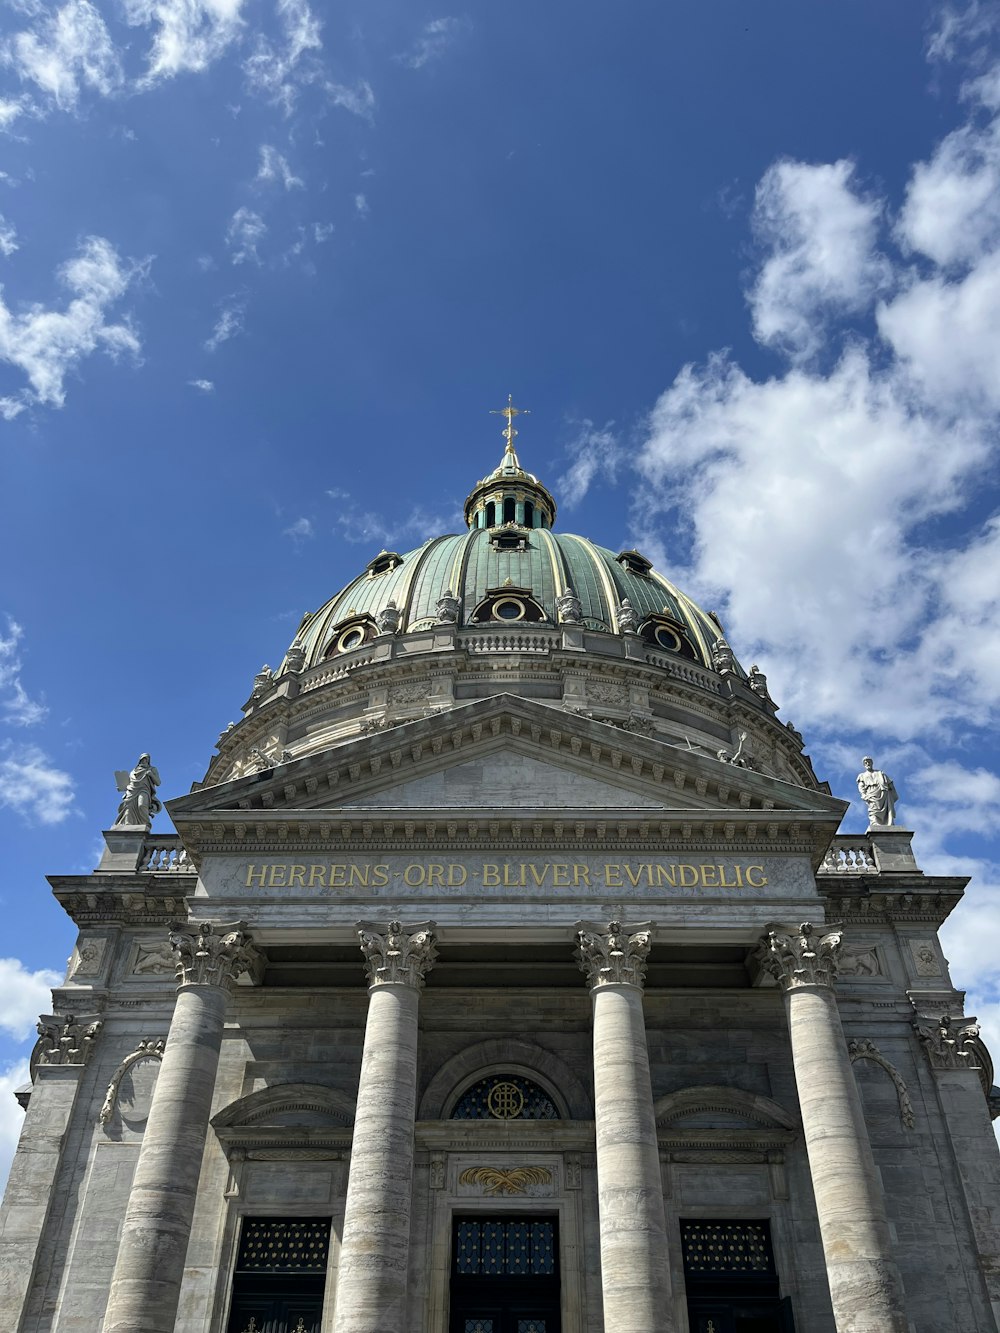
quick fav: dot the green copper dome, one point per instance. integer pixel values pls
(509, 570)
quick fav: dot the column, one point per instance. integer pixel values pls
(635, 1275)
(372, 1274)
(146, 1284)
(865, 1287)
(64, 1045)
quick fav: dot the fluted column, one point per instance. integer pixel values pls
(635, 1275)
(146, 1284)
(864, 1282)
(372, 1275)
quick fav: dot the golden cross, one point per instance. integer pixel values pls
(510, 412)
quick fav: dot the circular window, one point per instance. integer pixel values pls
(509, 609)
(351, 638)
(666, 638)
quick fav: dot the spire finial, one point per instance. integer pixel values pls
(510, 412)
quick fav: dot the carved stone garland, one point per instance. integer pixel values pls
(615, 955)
(146, 1050)
(397, 956)
(867, 1050)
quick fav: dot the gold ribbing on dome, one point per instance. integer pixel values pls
(510, 412)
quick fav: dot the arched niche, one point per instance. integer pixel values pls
(504, 1055)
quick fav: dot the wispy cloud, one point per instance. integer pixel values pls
(278, 70)
(230, 323)
(32, 785)
(67, 51)
(366, 527)
(189, 35)
(203, 386)
(594, 453)
(437, 37)
(300, 531)
(8, 238)
(359, 99)
(361, 205)
(46, 343)
(274, 169)
(245, 232)
(16, 706)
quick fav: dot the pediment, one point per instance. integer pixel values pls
(512, 754)
(709, 1119)
(286, 1117)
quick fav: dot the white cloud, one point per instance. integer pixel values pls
(230, 323)
(32, 786)
(245, 232)
(12, 1077)
(322, 231)
(16, 707)
(274, 169)
(361, 206)
(189, 35)
(67, 51)
(359, 100)
(301, 530)
(278, 70)
(203, 386)
(819, 235)
(46, 344)
(8, 238)
(437, 37)
(23, 996)
(595, 453)
(826, 485)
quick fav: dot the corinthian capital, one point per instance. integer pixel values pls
(806, 959)
(614, 955)
(65, 1039)
(950, 1043)
(208, 953)
(397, 956)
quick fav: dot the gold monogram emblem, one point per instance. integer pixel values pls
(505, 1101)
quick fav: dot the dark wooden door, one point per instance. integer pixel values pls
(505, 1275)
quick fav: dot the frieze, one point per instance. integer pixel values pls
(579, 874)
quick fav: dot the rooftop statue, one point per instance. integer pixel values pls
(879, 794)
(447, 608)
(628, 621)
(722, 656)
(569, 607)
(139, 804)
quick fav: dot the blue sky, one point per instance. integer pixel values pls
(266, 267)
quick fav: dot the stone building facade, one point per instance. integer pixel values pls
(507, 973)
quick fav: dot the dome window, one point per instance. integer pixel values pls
(508, 605)
(668, 635)
(350, 635)
(511, 540)
(634, 563)
(384, 562)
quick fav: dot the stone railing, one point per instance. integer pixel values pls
(517, 641)
(849, 856)
(163, 854)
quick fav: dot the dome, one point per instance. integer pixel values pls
(511, 574)
(511, 607)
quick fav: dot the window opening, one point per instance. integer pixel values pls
(730, 1276)
(505, 1275)
(529, 514)
(508, 509)
(491, 515)
(505, 1097)
(280, 1275)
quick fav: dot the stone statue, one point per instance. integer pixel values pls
(447, 608)
(723, 658)
(388, 618)
(569, 608)
(740, 756)
(758, 681)
(878, 793)
(139, 804)
(628, 621)
(295, 658)
(262, 681)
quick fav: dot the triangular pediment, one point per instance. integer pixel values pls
(513, 757)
